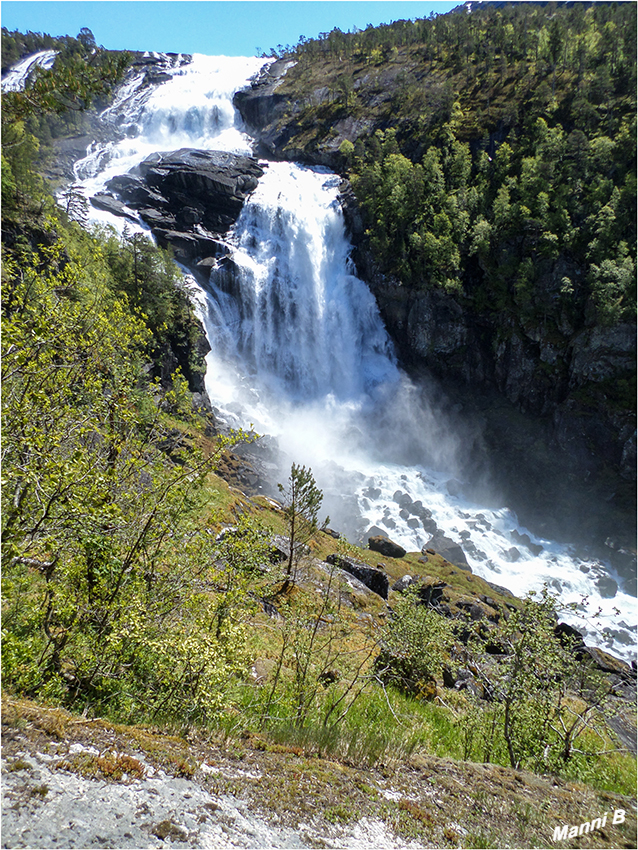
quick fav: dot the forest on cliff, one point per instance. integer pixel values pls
(492, 156)
(500, 138)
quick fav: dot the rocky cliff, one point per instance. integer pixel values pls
(555, 399)
(189, 198)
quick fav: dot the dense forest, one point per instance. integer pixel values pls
(138, 585)
(504, 140)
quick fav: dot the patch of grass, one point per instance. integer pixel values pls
(615, 772)
(340, 814)
(417, 811)
(482, 840)
(19, 764)
(39, 791)
(110, 766)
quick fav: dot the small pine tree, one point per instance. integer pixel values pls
(76, 205)
(302, 500)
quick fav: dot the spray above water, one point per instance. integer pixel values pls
(300, 352)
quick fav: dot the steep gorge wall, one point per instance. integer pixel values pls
(554, 402)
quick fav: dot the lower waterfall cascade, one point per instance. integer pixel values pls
(300, 353)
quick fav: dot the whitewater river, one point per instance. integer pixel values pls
(299, 351)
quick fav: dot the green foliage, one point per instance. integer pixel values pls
(318, 675)
(116, 596)
(16, 45)
(155, 290)
(80, 74)
(543, 695)
(22, 187)
(302, 500)
(415, 643)
(54, 100)
(501, 150)
(111, 596)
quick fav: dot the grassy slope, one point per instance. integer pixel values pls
(438, 802)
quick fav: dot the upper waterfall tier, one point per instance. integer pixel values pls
(190, 108)
(16, 77)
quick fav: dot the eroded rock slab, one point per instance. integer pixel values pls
(187, 197)
(374, 579)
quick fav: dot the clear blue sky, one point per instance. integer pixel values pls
(216, 27)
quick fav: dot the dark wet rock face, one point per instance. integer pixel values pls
(188, 197)
(260, 104)
(375, 580)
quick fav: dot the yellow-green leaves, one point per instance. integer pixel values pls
(110, 589)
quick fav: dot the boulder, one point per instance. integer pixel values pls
(159, 219)
(360, 589)
(386, 547)
(448, 549)
(454, 487)
(134, 191)
(404, 582)
(525, 539)
(607, 587)
(102, 201)
(187, 197)
(201, 174)
(609, 663)
(465, 681)
(280, 549)
(504, 591)
(569, 636)
(186, 246)
(402, 499)
(375, 580)
(431, 590)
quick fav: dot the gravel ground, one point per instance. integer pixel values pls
(73, 782)
(45, 807)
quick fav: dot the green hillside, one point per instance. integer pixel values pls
(122, 601)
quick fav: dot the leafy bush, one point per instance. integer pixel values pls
(415, 644)
(109, 579)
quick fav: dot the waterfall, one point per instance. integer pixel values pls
(299, 351)
(193, 109)
(16, 77)
(299, 320)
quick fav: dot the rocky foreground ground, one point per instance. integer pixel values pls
(73, 782)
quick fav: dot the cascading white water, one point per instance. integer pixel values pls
(16, 77)
(301, 322)
(193, 109)
(299, 350)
